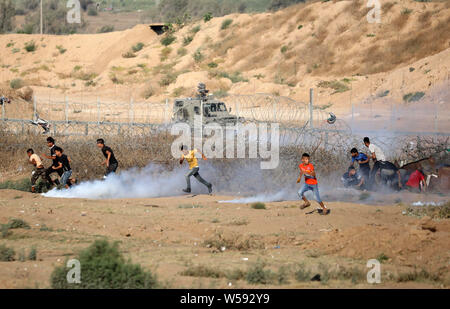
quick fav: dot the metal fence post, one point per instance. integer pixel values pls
(34, 106)
(311, 103)
(66, 109)
(131, 111)
(98, 111)
(166, 111)
(3, 111)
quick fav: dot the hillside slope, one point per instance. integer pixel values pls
(329, 46)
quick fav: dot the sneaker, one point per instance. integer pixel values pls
(187, 190)
(210, 189)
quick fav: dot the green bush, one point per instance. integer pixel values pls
(302, 274)
(61, 49)
(195, 29)
(412, 97)
(212, 65)
(168, 39)
(207, 17)
(105, 29)
(18, 224)
(198, 56)
(104, 267)
(6, 254)
(258, 205)
(30, 46)
(182, 51)
(187, 40)
(129, 54)
(16, 83)
(33, 254)
(226, 23)
(137, 47)
(258, 275)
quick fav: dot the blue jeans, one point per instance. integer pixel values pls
(314, 188)
(65, 177)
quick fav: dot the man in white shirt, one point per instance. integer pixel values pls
(39, 170)
(377, 156)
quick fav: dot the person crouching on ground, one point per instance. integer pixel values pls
(311, 183)
(39, 170)
(416, 182)
(110, 161)
(354, 179)
(64, 166)
(189, 156)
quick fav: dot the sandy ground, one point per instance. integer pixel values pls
(166, 235)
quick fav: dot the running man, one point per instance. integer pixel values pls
(377, 156)
(64, 166)
(310, 184)
(38, 171)
(51, 170)
(110, 161)
(189, 156)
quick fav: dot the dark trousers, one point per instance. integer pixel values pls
(111, 168)
(194, 172)
(50, 171)
(38, 172)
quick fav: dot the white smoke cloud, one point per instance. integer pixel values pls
(151, 181)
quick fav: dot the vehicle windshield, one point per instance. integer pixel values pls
(221, 107)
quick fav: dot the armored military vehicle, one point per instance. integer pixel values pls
(184, 110)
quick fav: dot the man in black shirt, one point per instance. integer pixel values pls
(51, 170)
(63, 164)
(111, 161)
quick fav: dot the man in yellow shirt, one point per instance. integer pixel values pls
(39, 170)
(189, 156)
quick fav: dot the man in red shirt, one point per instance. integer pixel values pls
(311, 183)
(416, 182)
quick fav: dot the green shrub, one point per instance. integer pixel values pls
(15, 50)
(300, 27)
(182, 51)
(337, 86)
(61, 49)
(137, 47)
(198, 56)
(16, 83)
(4, 230)
(302, 274)
(195, 29)
(168, 79)
(382, 257)
(226, 23)
(104, 267)
(168, 39)
(412, 97)
(105, 29)
(203, 271)
(18, 224)
(32, 256)
(187, 40)
(258, 275)
(212, 65)
(284, 49)
(30, 46)
(129, 54)
(207, 17)
(6, 254)
(258, 205)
